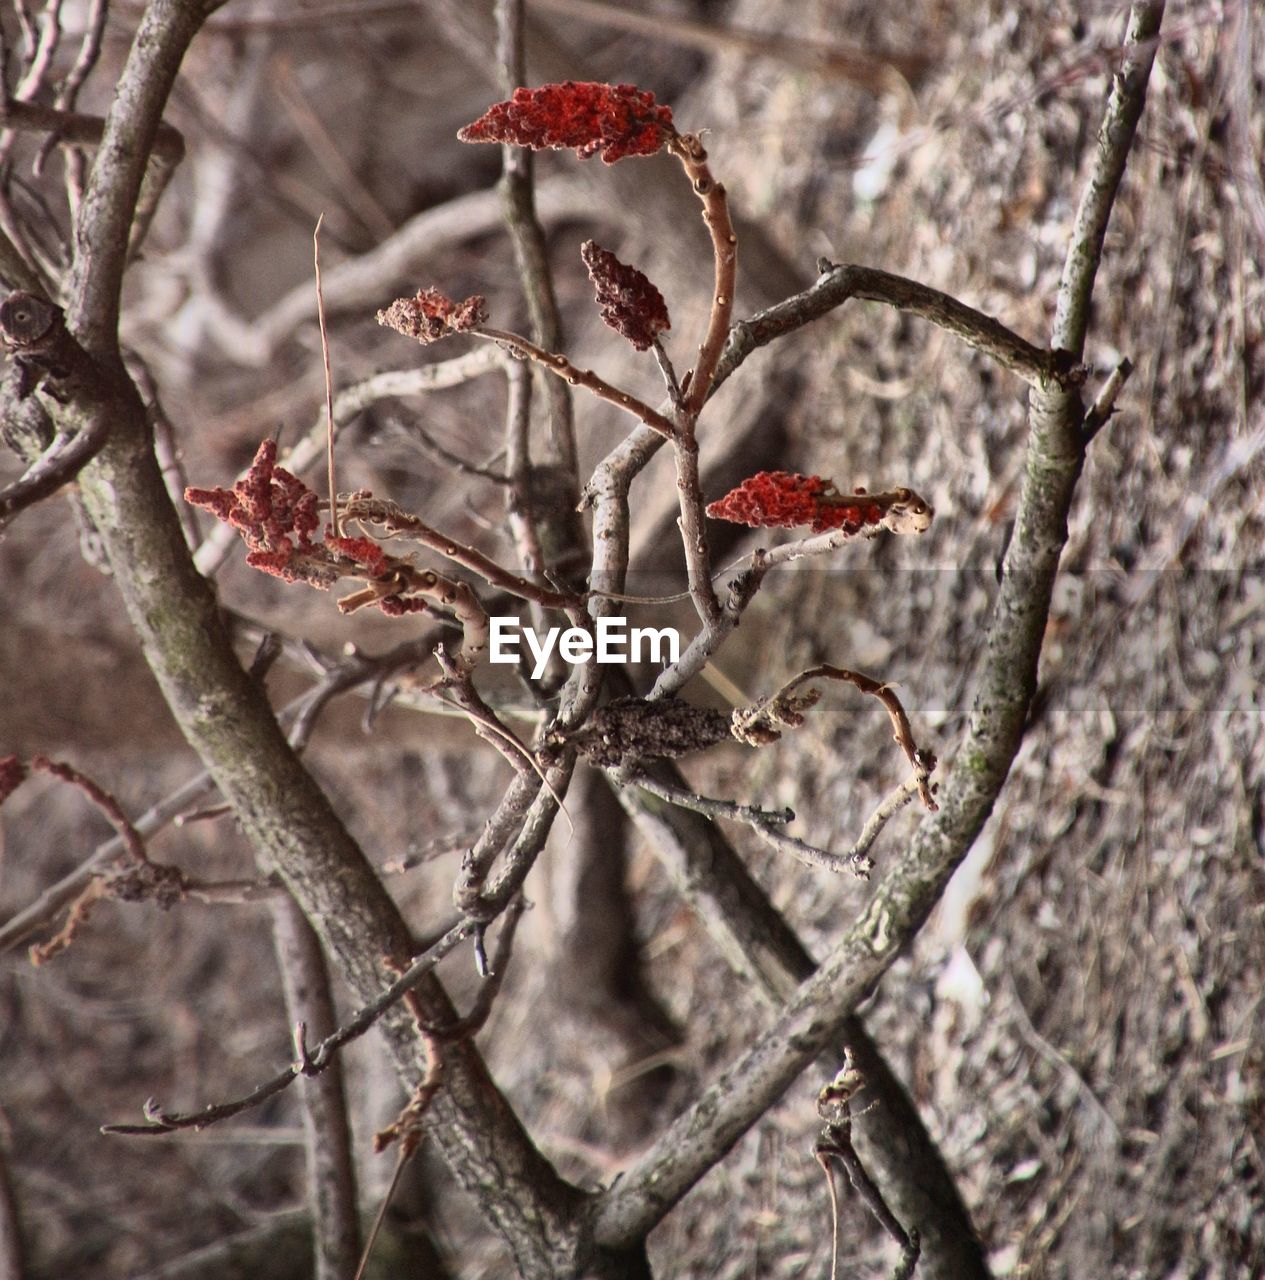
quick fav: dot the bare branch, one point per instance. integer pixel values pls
(760, 947)
(518, 199)
(19, 927)
(329, 381)
(362, 281)
(836, 285)
(688, 149)
(73, 129)
(315, 1061)
(1115, 140)
(282, 811)
(905, 895)
(922, 762)
(1105, 402)
(397, 522)
(877, 70)
(558, 365)
(472, 1022)
(348, 403)
(693, 529)
(480, 894)
(331, 1174)
(128, 138)
(768, 826)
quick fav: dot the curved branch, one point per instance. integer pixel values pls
(838, 284)
(906, 894)
(128, 138)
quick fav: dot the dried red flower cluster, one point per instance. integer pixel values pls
(784, 500)
(276, 514)
(610, 120)
(431, 315)
(630, 304)
(363, 551)
(12, 775)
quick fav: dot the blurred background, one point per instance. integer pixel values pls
(1080, 1023)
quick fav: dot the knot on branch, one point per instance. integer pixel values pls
(29, 324)
(147, 882)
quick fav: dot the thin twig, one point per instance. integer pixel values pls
(877, 70)
(1105, 401)
(331, 1175)
(834, 1105)
(531, 254)
(904, 512)
(476, 892)
(922, 762)
(418, 436)
(419, 855)
(166, 449)
(692, 525)
(402, 1157)
(336, 677)
(329, 380)
(471, 1023)
(762, 950)
(688, 149)
(317, 1059)
(558, 365)
(348, 403)
(19, 927)
(520, 504)
(361, 281)
(768, 826)
(397, 522)
(133, 846)
(1115, 140)
(72, 128)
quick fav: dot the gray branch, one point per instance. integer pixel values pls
(905, 895)
(331, 1170)
(282, 811)
(838, 284)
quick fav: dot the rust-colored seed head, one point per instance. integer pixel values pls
(430, 315)
(771, 499)
(784, 500)
(268, 504)
(630, 304)
(12, 775)
(610, 120)
(364, 551)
